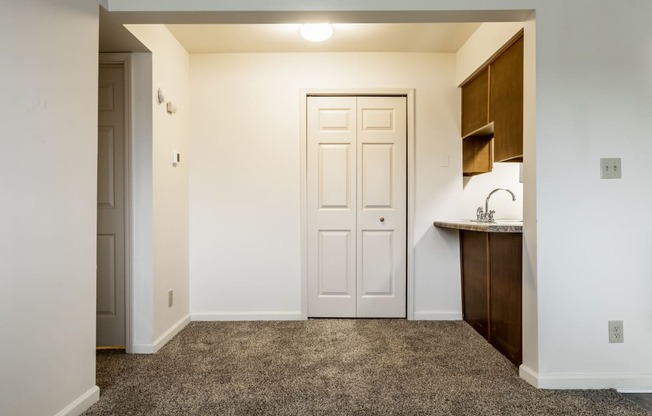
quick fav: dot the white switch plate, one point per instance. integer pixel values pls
(610, 168)
(176, 158)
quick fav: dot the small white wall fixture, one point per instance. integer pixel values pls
(410, 96)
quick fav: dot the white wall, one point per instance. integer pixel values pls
(594, 77)
(245, 175)
(169, 187)
(142, 273)
(48, 210)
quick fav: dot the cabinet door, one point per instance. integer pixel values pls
(506, 257)
(506, 103)
(475, 280)
(475, 103)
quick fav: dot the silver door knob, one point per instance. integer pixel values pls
(382, 219)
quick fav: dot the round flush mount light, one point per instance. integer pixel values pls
(316, 32)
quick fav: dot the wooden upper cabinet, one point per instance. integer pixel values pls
(506, 103)
(492, 111)
(475, 103)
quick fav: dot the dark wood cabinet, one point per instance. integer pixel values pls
(506, 103)
(492, 111)
(475, 103)
(491, 288)
(475, 280)
(477, 155)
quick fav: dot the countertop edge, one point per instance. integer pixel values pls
(467, 225)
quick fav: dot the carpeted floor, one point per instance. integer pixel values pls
(332, 367)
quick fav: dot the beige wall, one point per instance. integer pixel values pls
(169, 189)
(48, 210)
(245, 176)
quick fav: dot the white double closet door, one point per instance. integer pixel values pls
(356, 206)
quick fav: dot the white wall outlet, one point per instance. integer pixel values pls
(616, 332)
(170, 298)
(610, 168)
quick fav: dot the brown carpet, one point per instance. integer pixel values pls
(332, 367)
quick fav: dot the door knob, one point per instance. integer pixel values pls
(382, 219)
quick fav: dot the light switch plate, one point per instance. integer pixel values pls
(610, 168)
(176, 157)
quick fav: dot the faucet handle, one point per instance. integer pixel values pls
(479, 213)
(490, 215)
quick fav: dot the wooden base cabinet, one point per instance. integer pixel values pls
(492, 288)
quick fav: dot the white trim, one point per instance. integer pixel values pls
(247, 316)
(574, 381)
(82, 403)
(303, 192)
(163, 339)
(437, 316)
(125, 60)
(411, 199)
(410, 171)
(529, 375)
(634, 391)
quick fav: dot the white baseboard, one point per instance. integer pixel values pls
(529, 375)
(143, 348)
(624, 383)
(82, 403)
(247, 316)
(437, 316)
(645, 390)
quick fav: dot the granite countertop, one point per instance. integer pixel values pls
(500, 226)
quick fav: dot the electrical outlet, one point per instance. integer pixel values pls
(610, 168)
(170, 298)
(616, 332)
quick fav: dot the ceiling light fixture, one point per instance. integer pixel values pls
(316, 32)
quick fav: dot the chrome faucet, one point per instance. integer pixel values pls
(486, 215)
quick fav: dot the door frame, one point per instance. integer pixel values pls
(410, 197)
(124, 60)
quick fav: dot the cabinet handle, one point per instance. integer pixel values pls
(382, 219)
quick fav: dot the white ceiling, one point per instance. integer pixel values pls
(370, 37)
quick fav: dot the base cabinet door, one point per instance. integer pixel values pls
(475, 282)
(505, 294)
(492, 288)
